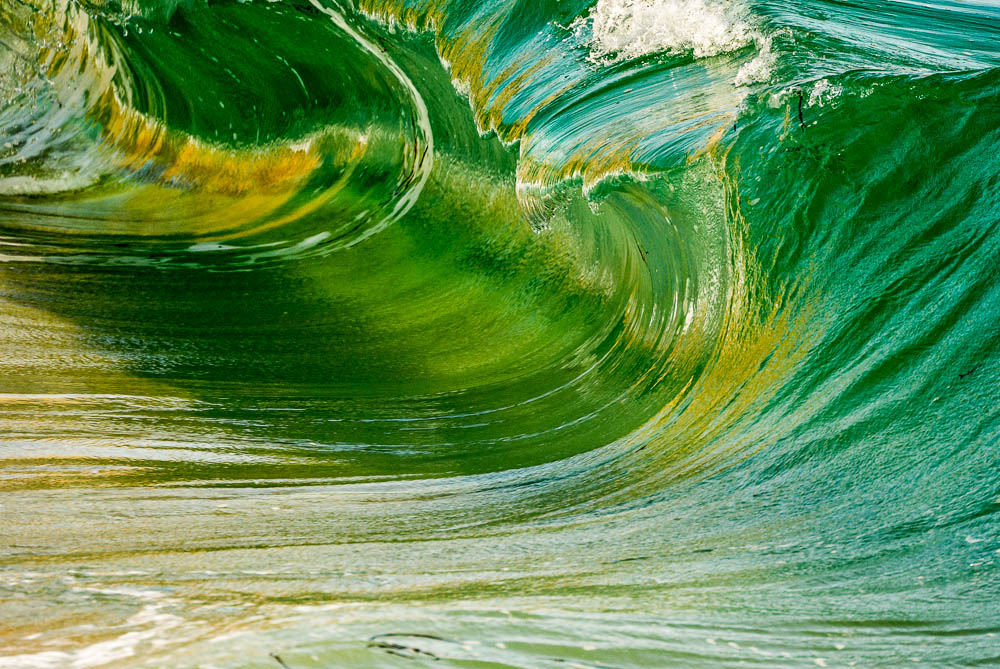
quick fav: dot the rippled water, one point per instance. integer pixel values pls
(525, 333)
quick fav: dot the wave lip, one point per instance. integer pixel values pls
(625, 29)
(132, 128)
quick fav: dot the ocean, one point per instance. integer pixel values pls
(499, 333)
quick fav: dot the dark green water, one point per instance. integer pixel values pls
(614, 333)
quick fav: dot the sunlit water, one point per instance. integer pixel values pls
(628, 333)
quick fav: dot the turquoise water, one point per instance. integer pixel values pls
(617, 333)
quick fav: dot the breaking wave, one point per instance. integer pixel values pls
(603, 334)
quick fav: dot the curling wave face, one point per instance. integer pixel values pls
(623, 333)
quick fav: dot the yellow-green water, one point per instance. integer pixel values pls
(628, 333)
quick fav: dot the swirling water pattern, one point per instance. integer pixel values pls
(614, 333)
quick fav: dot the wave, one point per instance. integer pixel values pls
(615, 333)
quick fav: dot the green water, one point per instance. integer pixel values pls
(627, 333)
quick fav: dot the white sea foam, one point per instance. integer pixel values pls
(617, 30)
(624, 29)
(759, 69)
(152, 625)
(26, 185)
(823, 92)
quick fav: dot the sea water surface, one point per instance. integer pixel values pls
(500, 333)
